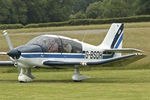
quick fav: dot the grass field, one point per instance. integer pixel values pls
(103, 85)
(129, 82)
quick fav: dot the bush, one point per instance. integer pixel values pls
(11, 26)
(46, 24)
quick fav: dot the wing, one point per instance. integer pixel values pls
(126, 59)
(123, 50)
(6, 63)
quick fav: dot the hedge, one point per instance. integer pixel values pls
(11, 26)
(110, 20)
(46, 24)
(143, 18)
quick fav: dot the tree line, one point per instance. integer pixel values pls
(42, 11)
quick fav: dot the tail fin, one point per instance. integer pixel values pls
(114, 37)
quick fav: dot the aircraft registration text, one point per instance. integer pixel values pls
(93, 54)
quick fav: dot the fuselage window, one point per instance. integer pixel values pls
(70, 46)
(55, 45)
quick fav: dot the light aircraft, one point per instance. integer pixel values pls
(48, 51)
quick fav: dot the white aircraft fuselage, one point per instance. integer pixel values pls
(53, 50)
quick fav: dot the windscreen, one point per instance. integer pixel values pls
(48, 43)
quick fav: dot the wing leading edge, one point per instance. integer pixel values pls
(6, 63)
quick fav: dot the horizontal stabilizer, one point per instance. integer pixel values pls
(119, 61)
(124, 50)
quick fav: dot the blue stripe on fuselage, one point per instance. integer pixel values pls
(31, 55)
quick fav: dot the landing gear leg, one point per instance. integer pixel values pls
(28, 73)
(23, 77)
(77, 77)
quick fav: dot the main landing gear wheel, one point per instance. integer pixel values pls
(25, 77)
(77, 77)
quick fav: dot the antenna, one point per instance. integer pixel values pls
(83, 37)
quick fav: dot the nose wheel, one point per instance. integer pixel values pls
(25, 76)
(77, 77)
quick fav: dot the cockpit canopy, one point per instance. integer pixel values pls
(52, 43)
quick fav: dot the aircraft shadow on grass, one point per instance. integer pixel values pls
(96, 80)
(91, 80)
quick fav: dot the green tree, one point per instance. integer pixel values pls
(143, 7)
(19, 12)
(95, 10)
(5, 10)
(58, 10)
(117, 8)
(36, 11)
(81, 5)
(110, 9)
(39, 11)
(12, 11)
(79, 15)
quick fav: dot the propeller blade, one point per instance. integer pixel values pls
(3, 53)
(7, 39)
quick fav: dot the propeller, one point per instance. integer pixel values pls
(14, 53)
